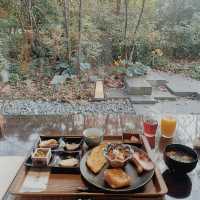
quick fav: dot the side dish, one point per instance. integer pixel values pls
(41, 157)
(72, 146)
(69, 162)
(180, 156)
(40, 153)
(130, 138)
(96, 159)
(51, 143)
(117, 154)
(116, 178)
(142, 162)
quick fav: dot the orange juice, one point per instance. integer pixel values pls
(168, 126)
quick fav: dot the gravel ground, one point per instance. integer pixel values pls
(27, 107)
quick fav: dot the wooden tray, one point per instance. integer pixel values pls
(72, 186)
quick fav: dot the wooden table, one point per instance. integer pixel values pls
(22, 131)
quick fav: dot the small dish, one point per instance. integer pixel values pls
(71, 144)
(48, 142)
(118, 154)
(93, 136)
(59, 156)
(180, 159)
(41, 157)
(132, 138)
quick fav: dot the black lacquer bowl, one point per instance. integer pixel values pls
(179, 166)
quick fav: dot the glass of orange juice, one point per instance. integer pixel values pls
(168, 126)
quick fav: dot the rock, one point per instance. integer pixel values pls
(4, 76)
(6, 90)
(85, 66)
(136, 69)
(4, 66)
(93, 78)
(58, 80)
(137, 86)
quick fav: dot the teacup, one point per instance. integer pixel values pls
(93, 136)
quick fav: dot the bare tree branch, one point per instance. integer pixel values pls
(136, 29)
(79, 31)
(125, 30)
(66, 26)
(118, 7)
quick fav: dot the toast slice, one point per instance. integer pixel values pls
(116, 178)
(96, 159)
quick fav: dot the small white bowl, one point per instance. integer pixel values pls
(116, 163)
(41, 161)
(93, 136)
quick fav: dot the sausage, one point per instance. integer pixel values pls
(139, 168)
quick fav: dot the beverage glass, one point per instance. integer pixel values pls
(150, 126)
(168, 126)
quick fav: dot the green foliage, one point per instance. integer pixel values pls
(15, 74)
(66, 69)
(171, 26)
(179, 27)
(119, 70)
(196, 72)
(143, 50)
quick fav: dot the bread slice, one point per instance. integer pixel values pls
(96, 159)
(116, 178)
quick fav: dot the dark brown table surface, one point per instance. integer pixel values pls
(22, 131)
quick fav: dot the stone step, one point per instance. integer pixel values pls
(115, 93)
(146, 99)
(136, 86)
(155, 79)
(161, 94)
(181, 90)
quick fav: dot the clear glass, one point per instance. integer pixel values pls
(196, 138)
(168, 125)
(150, 125)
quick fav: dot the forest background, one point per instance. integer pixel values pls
(80, 38)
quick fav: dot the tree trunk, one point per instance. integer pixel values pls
(118, 7)
(136, 29)
(66, 27)
(30, 13)
(125, 31)
(79, 32)
(27, 42)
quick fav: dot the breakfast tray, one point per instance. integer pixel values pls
(31, 183)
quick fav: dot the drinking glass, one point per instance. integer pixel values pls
(150, 126)
(168, 126)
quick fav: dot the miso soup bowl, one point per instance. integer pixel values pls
(93, 136)
(179, 167)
